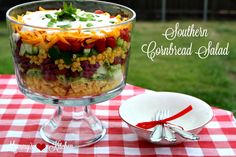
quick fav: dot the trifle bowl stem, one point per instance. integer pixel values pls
(73, 126)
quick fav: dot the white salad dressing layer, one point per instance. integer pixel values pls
(39, 19)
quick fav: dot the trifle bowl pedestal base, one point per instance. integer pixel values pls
(73, 126)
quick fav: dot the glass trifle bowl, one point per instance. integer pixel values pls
(71, 54)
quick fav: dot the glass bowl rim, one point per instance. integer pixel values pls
(90, 28)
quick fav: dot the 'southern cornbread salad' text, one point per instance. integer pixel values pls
(70, 52)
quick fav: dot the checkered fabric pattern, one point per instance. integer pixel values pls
(21, 119)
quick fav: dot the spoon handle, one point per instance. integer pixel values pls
(156, 134)
(184, 134)
(168, 134)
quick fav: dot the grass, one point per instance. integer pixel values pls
(6, 64)
(212, 79)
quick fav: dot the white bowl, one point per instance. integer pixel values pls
(143, 107)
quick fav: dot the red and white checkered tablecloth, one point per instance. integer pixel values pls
(21, 119)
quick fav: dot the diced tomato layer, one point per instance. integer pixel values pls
(99, 12)
(124, 34)
(76, 46)
(63, 46)
(100, 45)
(88, 46)
(111, 42)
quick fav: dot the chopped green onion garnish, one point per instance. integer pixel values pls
(64, 26)
(99, 20)
(52, 22)
(89, 25)
(48, 16)
(112, 22)
(83, 18)
(90, 17)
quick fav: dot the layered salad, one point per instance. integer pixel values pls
(71, 52)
